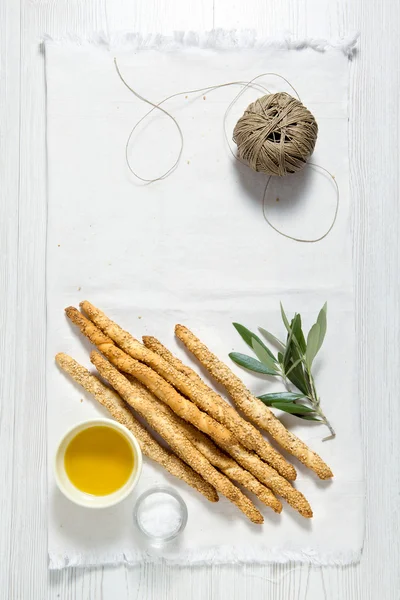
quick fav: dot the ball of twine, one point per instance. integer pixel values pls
(276, 134)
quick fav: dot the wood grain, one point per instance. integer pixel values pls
(374, 119)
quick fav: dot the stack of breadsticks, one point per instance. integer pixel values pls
(211, 445)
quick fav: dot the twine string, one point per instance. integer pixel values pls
(298, 239)
(252, 84)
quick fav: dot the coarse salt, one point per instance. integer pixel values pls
(160, 515)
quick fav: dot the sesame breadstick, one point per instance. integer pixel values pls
(202, 396)
(161, 388)
(121, 413)
(251, 406)
(251, 438)
(269, 477)
(173, 436)
(231, 468)
(250, 462)
(217, 458)
(154, 344)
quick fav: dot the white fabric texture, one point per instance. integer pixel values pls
(195, 249)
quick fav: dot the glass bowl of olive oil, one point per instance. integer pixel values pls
(98, 463)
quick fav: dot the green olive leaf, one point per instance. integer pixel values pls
(264, 356)
(298, 334)
(321, 320)
(280, 396)
(297, 377)
(271, 338)
(248, 336)
(310, 418)
(248, 362)
(285, 319)
(312, 344)
(292, 408)
(287, 357)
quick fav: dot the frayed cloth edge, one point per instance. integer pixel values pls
(213, 556)
(217, 39)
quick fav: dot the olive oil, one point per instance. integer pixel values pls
(99, 460)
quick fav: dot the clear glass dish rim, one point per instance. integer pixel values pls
(171, 492)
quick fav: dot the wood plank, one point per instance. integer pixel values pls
(9, 192)
(374, 117)
(155, 16)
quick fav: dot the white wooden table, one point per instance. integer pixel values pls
(374, 144)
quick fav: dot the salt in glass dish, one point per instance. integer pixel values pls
(161, 514)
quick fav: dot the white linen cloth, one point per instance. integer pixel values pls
(195, 249)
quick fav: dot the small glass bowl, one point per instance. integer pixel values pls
(151, 513)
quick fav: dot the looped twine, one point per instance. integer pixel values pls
(284, 133)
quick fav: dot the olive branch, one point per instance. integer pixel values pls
(292, 363)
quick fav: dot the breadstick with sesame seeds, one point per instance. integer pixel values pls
(177, 440)
(161, 388)
(154, 344)
(202, 396)
(270, 478)
(251, 406)
(250, 462)
(230, 467)
(217, 458)
(250, 437)
(121, 413)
